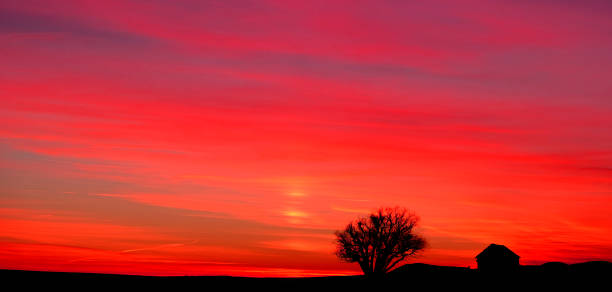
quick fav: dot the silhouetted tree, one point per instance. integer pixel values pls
(379, 241)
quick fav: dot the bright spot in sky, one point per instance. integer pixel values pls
(295, 213)
(297, 194)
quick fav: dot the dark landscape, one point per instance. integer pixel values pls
(592, 275)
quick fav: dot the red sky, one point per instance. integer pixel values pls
(234, 137)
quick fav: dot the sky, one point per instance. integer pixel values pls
(235, 137)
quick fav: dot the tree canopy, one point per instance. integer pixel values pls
(379, 241)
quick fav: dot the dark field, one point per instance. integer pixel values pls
(590, 276)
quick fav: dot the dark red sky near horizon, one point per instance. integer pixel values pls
(234, 137)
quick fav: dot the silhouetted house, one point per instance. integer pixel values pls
(497, 258)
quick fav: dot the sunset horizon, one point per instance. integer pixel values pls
(235, 138)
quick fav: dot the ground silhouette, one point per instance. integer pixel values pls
(588, 276)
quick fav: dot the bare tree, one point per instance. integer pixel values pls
(379, 241)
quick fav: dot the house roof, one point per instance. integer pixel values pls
(496, 250)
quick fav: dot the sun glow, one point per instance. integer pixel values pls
(297, 194)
